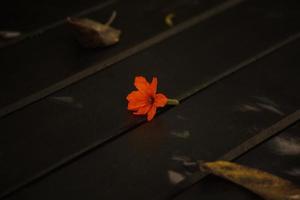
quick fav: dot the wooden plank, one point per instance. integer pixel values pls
(277, 155)
(143, 164)
(47, 63)
(92, 119)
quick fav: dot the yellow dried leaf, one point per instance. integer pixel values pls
(169, 19)
(262, 183)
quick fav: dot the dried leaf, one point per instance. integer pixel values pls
(262, 183)
(169, 19)
(92, 34)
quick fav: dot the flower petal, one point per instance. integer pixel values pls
(136, 99)
(160, 100)
(153, 86)
(143, 110)
(141, 84)
(151, 113)
(136, 96)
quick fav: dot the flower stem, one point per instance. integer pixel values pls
(172, 102)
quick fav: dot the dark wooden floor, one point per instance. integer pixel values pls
(65, 129)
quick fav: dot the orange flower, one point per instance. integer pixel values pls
(145, 100)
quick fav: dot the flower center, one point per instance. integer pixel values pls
(150, 100)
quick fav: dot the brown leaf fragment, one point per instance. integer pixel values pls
(92, 34)
(264, 184)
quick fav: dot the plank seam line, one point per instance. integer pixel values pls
(117, 58)
(122, 131)
(241, 65)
